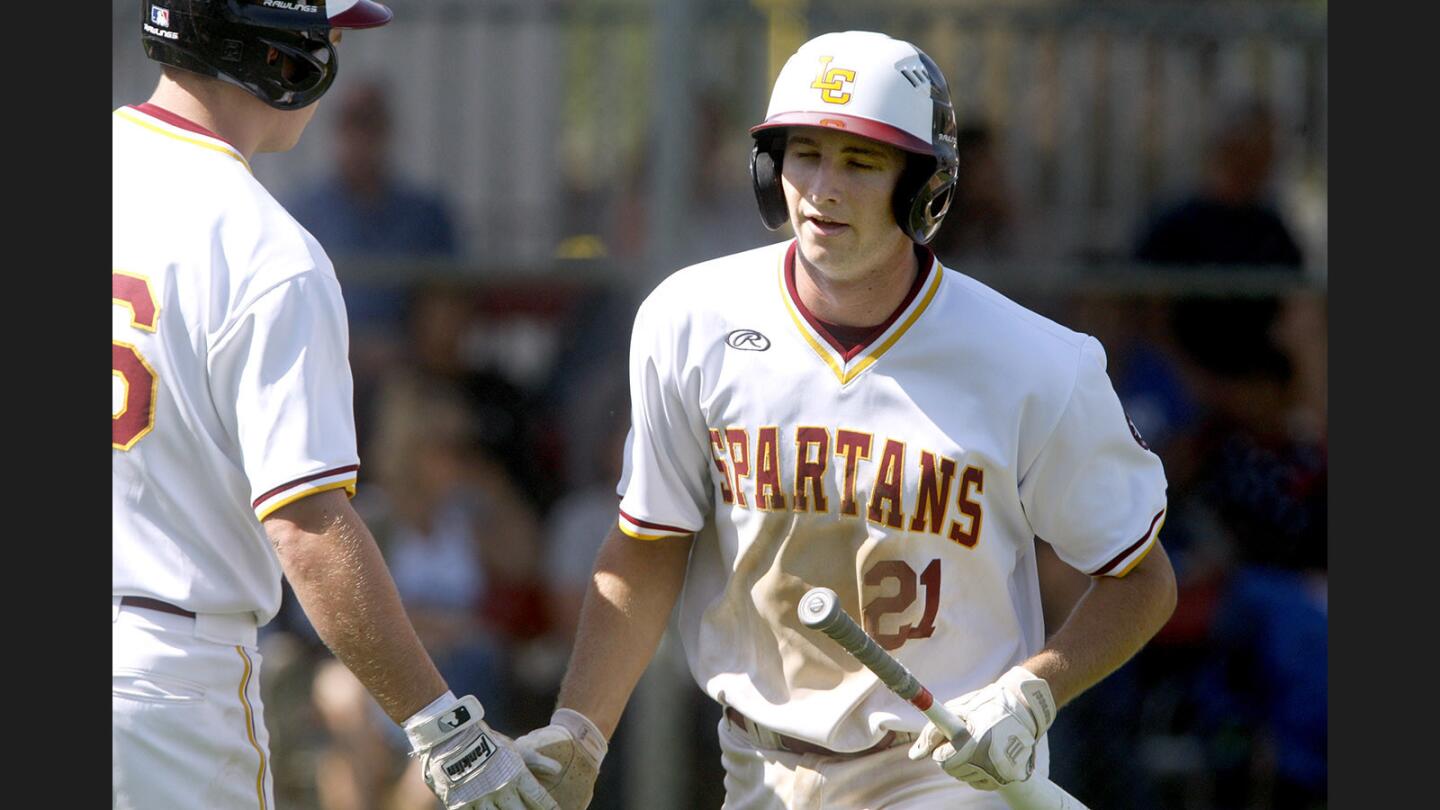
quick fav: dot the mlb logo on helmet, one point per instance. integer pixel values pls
(160, 16)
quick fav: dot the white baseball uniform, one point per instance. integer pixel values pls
(910, 474)
(232, 396)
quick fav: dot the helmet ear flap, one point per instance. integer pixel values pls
(766, 157)
(922, 196)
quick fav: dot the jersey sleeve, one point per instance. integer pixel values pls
(664, 486)
(280, 380)
(1095, 491)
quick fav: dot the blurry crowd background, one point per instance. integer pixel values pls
(500, 182)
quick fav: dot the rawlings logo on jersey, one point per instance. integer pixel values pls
(831, 82)
(747, 340)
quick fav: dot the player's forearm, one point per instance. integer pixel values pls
(342, 582)
(1110, 623)
(628, 604)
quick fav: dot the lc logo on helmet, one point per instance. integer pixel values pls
(831, 82)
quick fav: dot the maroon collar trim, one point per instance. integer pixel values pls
(926, 258)
(160, 113)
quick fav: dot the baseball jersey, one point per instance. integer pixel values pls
(910, 474)
(231, 388)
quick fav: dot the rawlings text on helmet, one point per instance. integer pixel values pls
(237, 41)
(308, 9)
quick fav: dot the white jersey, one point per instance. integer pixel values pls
(911, 475)
(232, 393)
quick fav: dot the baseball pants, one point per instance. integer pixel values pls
(186, 718)
(758, 778)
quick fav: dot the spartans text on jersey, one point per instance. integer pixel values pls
(806, 489)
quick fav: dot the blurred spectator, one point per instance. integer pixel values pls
(363, 209)
(1227, 222)
(1249, 646)
(1231, 392)
(461, 544)
(1264, 690)
(362, 212)
(440, 319)
(980, 223)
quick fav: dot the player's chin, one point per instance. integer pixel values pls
(818, 246)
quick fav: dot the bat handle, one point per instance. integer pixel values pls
(1039, 793)
(1036, 793)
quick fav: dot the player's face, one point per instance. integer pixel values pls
(839, 187)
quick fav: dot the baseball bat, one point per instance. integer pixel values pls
(820, 610)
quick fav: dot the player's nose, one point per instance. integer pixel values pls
(826, 182)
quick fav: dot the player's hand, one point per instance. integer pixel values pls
(1005, 719)
(471, 767)
(565, 756)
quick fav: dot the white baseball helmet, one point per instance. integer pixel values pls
(873, 86)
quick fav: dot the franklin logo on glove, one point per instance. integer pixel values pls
(475, 758)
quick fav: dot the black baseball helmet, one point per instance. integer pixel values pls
(876, 87)
(232, 40)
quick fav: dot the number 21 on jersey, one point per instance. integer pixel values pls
(880, 575)
(133, 410)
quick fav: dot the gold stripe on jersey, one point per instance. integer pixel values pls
(869, 358)
(629, 532)
(1150, 546)
(647, 531)
(845, 372)
(348, 484)
(194, 141)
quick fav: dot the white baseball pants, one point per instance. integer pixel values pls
(186, 718)
(759, 778)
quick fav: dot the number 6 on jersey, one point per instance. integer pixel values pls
(134, 416)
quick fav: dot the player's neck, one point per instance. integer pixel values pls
(866, 298)
(215, 106)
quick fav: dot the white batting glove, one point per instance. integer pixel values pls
(1005, 719)
(468, 765)
(565, 756)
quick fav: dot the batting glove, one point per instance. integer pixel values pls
(565, 757)
(1005, 719)
(468, 765)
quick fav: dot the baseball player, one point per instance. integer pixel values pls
(841, 410)
(233, 433)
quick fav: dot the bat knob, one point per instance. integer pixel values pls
(818, 607)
